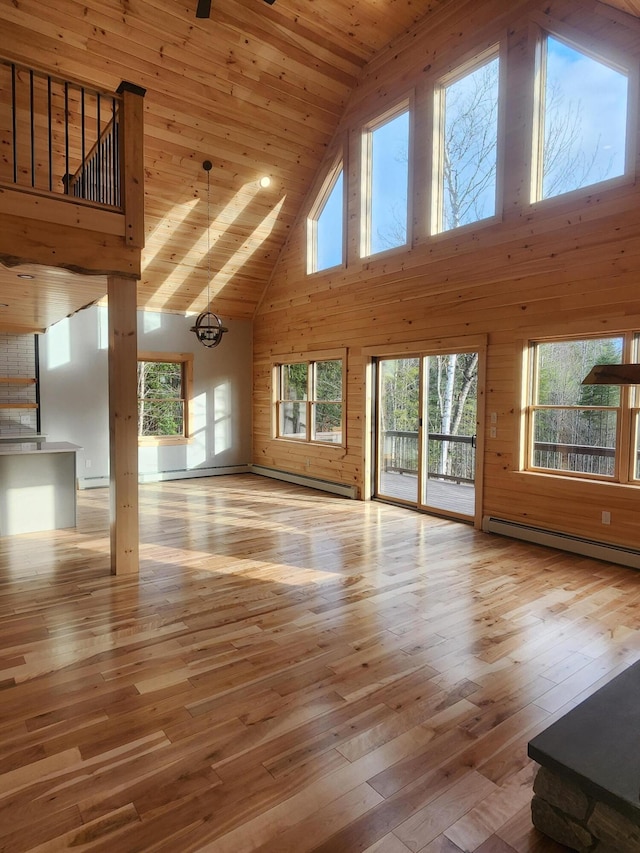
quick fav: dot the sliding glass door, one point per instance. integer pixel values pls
(426, 431)
(398, 434)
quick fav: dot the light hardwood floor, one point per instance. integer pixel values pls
(291, 672)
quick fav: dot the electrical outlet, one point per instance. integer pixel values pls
(87, 463)
(494, 417)
(606, 517)
(493, 432)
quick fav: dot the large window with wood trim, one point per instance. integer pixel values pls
(309, 400)
(325, 224)
(164, 393)
(465, 144)
(581, 111)
(580, 132)
(574, 429)
(385, 182)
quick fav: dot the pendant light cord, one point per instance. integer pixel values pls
(207, 167)
(208, 327)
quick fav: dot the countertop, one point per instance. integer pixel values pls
(37, 447)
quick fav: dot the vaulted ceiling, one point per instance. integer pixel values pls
(258, 89)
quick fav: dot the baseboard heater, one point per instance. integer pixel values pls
(302, 480)
(563, 541)
(161, 476)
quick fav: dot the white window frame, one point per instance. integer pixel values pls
(337, 168)
(406, 105)
(438, 228)
(610, 56)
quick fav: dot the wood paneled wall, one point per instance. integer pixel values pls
(568, 265)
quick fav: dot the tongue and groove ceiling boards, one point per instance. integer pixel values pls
(257, 88)
(630, 6)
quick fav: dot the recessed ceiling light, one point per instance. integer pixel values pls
(25, 275)
(265, 181)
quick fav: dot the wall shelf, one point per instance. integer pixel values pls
(14, 403)
(19, 384)
(19, 404)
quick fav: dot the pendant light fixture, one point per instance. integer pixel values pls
(208, 326)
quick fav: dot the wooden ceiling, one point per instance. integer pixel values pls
(630, 6)
(256, 89)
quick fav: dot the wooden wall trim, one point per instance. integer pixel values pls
(431, 346)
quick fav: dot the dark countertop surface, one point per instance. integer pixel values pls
(597, 744)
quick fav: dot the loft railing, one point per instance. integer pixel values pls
(98, 176)
(59, 136)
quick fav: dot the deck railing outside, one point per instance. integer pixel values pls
(574, 457)
(59, 136)
(400, 454)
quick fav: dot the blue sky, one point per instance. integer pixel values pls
(599, 93)
(590, 97)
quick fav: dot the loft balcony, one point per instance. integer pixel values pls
(72, 230)
(71, 175)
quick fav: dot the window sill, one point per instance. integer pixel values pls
(157, 441)
(304, 441)
(580, 479)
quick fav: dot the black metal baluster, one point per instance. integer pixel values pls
(67, 174)
(82, 121)
(108, 182)
(116, 152)
(98, 149)
(49, 114)
(32, 131)
(14, 110)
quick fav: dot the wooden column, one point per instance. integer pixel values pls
(132, 162)
(123, 425)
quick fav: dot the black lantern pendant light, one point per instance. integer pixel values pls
(208, 326)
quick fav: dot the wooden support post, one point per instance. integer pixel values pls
(132, 162)
(123, 425)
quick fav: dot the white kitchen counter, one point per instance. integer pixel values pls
(32, 446)
(18, 438)
(37, 486)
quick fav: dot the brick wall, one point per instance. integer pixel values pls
(17, 359)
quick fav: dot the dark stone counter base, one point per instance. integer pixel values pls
(564, 812)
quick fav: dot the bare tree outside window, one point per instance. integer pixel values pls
(584, 119)
(469, 153)
(161, 400)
